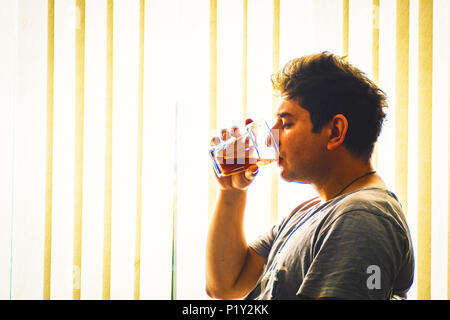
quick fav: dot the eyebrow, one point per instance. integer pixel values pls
(284, 115)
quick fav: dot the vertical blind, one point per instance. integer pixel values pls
(106, 291)
(401, 100)
(108, 107)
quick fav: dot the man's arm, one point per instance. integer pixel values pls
(232, 268)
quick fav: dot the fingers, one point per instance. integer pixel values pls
(215, 141)
(225, 134)
(235, 147)
(235, 132)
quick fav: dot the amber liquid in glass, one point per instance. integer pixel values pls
(230, 166)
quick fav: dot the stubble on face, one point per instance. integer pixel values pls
(302, 152)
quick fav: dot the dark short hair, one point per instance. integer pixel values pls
(326, 85)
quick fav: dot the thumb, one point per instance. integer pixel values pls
(251, 172)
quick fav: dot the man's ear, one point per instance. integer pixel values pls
(338, 127)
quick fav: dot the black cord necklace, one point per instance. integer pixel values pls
(360, 177)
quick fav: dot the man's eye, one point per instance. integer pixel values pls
(286, 125)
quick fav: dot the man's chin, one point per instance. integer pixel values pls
(286, 176)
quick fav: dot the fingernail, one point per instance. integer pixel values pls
(248, 121)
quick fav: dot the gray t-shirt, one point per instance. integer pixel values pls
(356, 246)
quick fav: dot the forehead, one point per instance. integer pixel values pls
(288, 108)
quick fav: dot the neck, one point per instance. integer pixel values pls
(342, 179)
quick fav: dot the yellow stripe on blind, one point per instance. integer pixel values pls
(137, 261)
(212, 187)
(79, 138)
(425, 71)
(275, 67)
(375, 39)
(375, 57)
(49, 146)
(106, 289)
(401, 101)
(345, 26)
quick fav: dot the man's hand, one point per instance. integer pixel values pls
(237, 181)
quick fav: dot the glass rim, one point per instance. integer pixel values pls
(258, 121)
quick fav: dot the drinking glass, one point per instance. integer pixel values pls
(256, 144)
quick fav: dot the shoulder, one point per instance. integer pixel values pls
(368, 205)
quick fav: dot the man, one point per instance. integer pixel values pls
(350, 242)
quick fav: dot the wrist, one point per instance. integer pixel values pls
(233, 191)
